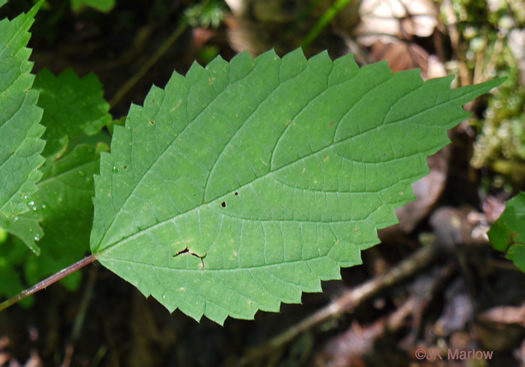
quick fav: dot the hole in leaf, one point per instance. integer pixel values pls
(223, 204)
(187, 250)
(236, 193)
(152, 122)
(183, 251)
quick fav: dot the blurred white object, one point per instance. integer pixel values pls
(383, 20)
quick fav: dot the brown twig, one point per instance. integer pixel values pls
(349, 300)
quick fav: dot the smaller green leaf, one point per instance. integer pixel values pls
(100, 5)
(508, 232)
(2, 3)
(72, 106)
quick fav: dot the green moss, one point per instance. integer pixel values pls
(485, 28)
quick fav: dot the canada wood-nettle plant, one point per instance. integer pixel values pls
(235, 188)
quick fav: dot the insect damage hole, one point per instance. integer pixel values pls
(186, 250)
(223, 204)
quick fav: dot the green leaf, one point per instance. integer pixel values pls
(508, 232)
(3, 2)
(63, 203)
(100, 5)
(72, 106)
(20, 131)
(244, 184)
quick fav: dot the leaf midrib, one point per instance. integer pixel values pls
(200, 271)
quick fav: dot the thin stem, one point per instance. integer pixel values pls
(48, 281)
(81, 316)
(151, 61)
(327, 17)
